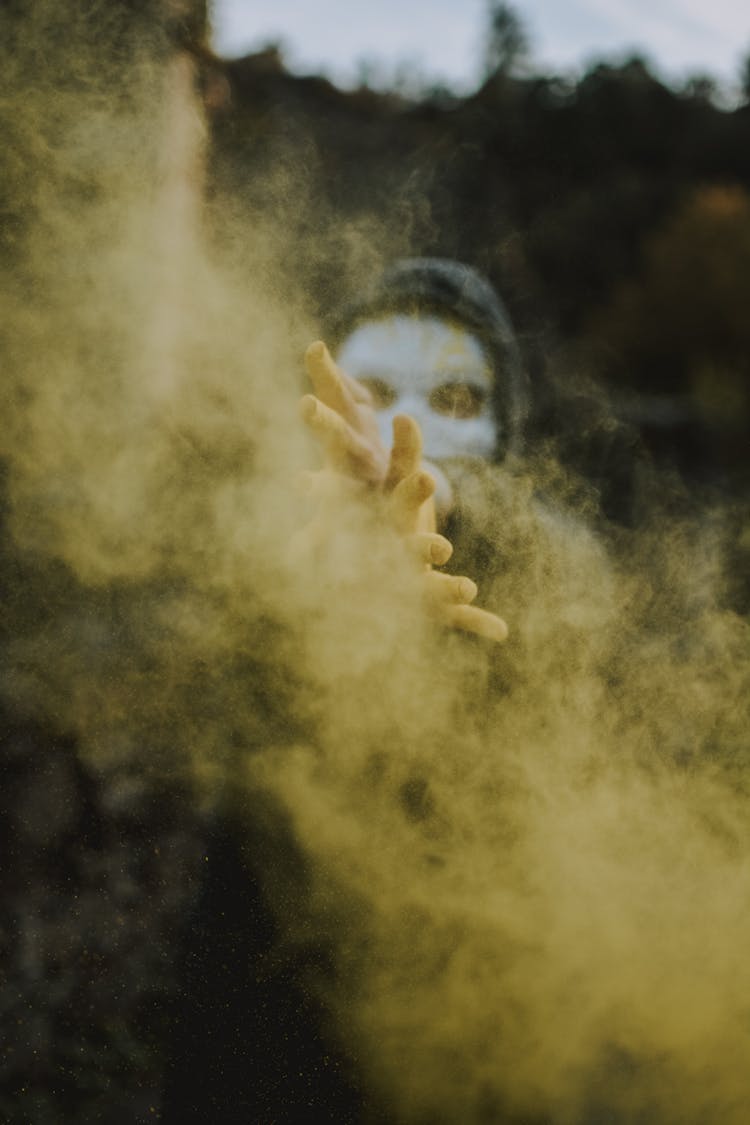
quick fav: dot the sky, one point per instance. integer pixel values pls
(442, 38)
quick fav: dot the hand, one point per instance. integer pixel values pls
(341, 414)
(447, 595)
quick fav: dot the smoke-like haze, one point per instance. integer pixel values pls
(533, 862)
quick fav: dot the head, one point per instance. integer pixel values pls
(431, 339)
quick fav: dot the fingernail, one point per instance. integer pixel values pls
(316, 349)
(467, 589)
(440, 553)
(500, 632)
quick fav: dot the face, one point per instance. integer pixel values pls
(434, 371)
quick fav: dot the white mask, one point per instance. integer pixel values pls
(432, 370)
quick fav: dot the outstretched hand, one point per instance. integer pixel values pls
(342, 416)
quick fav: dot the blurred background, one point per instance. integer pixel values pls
(592, 158)
(446, 43)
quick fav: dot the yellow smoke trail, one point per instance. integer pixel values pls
(532, 862)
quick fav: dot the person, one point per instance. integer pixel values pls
(427, 356)
(427, 380)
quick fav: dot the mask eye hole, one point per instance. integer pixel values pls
(383, 394)
(458, 400)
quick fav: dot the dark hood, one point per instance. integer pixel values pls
(455, 292)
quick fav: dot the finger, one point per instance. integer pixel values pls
(471, 619)
(406, 454)
(328, 383)
(342, 443)
(359, 392)
(407, 498)
(449, 588)
(431, 548)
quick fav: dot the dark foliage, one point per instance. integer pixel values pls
(555, 189)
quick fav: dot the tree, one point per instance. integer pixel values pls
(745, 77)
(507, 44)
